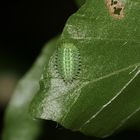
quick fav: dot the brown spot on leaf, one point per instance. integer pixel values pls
(116, 8)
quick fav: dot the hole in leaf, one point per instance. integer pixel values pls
(116, 8)
(113, 2)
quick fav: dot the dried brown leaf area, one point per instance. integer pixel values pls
(116, 8)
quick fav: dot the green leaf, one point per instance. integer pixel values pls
(106, 93)
(18, 122)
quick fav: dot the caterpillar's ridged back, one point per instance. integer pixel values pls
(68, 62)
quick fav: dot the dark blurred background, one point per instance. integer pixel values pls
(25, 26)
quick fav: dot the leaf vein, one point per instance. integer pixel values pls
(109, 102)
(96, 80)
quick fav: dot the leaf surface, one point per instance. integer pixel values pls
(105, 95)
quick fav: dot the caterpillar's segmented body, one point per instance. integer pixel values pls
(68, 62)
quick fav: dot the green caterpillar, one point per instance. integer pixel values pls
(68, 62)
